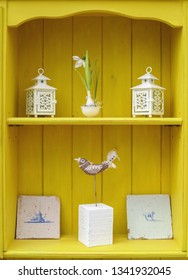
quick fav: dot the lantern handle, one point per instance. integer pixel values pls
(41, 71)
(148, 69)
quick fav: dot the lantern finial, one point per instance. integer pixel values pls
(148, 69)
(40, 71)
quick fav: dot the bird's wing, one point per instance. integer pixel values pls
(94, 168)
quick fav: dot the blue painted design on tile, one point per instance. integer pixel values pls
(38, 219)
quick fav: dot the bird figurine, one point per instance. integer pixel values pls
(92, 169)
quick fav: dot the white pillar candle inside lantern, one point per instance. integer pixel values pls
(41, 98)
(95, 224)
(148, 98)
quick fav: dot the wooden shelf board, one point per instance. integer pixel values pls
(68, 247)
(93, 121)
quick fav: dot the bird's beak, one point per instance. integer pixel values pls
(77, 159)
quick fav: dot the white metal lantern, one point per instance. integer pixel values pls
(41, 98)
(148, 98)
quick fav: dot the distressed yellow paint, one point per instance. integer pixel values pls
(58, 62)
(30, 161)
(1, 139)
(146, 49)
(69, 247)
(30, 40)
(57, 175)
(117, 182)
(116, 67)
(94, 121)
(39, 152)
(86, 36)
(11, 183)
(138, 9)
(86, 144)
(86, 140)
(57, 151)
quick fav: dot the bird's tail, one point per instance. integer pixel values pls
(111, 156)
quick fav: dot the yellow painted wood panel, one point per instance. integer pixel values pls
(139, 121)
(30, 161)
(10, 185)
(30, 42)
(177, 135)
(165, 81)
(146, 48)
(146, 168)
(1, 138)
(11, 88)
(165, 73)
(57, 141)
(117, 182)
(165, 11)
(69, 247)
(177, 70)
(57, 170)
(87, 144)
(177, 184)
(58, 62)
(30, 54)
(117, 103)
(165, 160)
(86, 36)
(146, 141)
(86, 140)
(10, 135)
(116, 67)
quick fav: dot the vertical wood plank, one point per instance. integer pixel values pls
(57, 141)
(30, 42)
(86, 36)
(1, 139)
(177, 194)
(165, 79)
(117, 182)
(58, 62)
(11, 185)
(30, 161)
(57, 165)
(86, 140)
(146, 160)
(12, 90)
(176, 148)
(117, 102)
(116, 67)
(177, 83)
(10, 136)
(86, 144)
(165, 82)
(146, 170)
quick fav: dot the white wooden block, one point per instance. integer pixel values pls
(95, 224)
(149, 217)
(38, 217)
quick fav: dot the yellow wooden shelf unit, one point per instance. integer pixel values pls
(36, 154)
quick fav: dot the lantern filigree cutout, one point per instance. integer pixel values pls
(41, 98)
(148, 98)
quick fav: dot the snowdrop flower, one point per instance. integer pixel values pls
(79, 62)
(87, 76)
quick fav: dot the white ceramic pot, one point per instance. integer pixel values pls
(90, 111)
